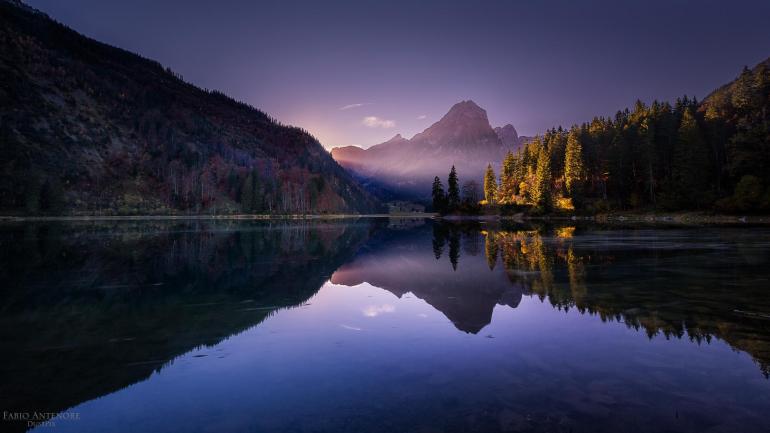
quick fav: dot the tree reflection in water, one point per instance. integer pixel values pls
(660, 281)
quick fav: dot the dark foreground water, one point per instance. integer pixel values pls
(383, 326)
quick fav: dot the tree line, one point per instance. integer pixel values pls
(455, 199)
(710, 155)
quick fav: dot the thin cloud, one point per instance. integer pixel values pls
(349, 106)
(376, 122)
(421, 117)
(376, 310)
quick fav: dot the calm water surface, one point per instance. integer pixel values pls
(384, 326)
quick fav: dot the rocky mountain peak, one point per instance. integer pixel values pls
(465, 122)
(464, 111)
(507, 135)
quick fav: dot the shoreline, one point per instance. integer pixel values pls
(243, 217)
(620, 218)
(692, 218)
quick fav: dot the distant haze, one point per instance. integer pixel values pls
(357, 73)
(462, 138)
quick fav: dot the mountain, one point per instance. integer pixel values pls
(149, 300)
(507, 135)
(89, 128)
(467, 299)
(463, 138)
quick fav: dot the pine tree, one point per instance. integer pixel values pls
(439, 198)
(743, 95)
(491, 249)
(573, 164)
(453, 190)
(454, 247)
(691, 162)
(508, 180)
(749, 148)
(541, 190)
(439, 239)
(490, 185)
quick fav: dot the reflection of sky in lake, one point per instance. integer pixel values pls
(330, 366)
(375, 326)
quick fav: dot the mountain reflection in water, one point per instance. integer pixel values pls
(127, 308)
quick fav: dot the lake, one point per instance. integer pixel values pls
(378, 325)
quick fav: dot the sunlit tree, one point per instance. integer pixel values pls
(573, 163)
(491, 249)
(490, 185)
(541, 189)
(508, 180)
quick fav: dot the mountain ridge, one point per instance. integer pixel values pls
(462, 137)
(90, 128)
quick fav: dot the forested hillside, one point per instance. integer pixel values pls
(88, 128)
(709, 155)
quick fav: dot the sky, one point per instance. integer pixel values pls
(359, 72)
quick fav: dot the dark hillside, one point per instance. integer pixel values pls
(90, 128)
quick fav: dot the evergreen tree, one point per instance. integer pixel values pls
(491, 249)
(454, 247)
(439, 239)
(541, 188)
(508, 180)
(519, 172)
(649, 159)
(453, 190)
(682, 155)
(691, 164)
(573, 164)
(490, 185)
(743, 95)
(749, 147)
(439, 198)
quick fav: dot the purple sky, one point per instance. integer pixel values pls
(534, 64)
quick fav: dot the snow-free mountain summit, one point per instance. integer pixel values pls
(463, 138)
